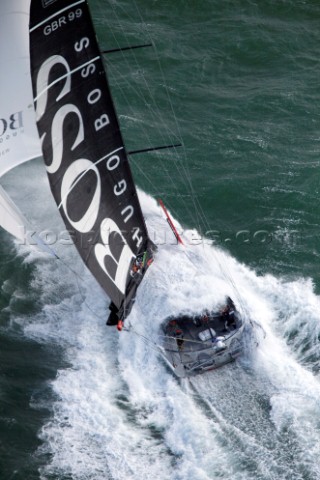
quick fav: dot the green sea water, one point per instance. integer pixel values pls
(237, 83)
(243, 84)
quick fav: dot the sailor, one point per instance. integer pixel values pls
(205, 316)
(179, 338)
(228, 317)
(137, 266)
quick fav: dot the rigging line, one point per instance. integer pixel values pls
(143, 173)
(186, 340)
(197, 205)
(149, 340)
(196, 202)
(146, 132)
(226, 272)
(168, 176)
(142, 97)
(156, 188)
(146, 340)
(148, 88)
(124, 57)
(199, 210)
(138, 90)
(141, 170)
(138, 65)
(176, 122)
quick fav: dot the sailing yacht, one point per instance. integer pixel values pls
(92, 184)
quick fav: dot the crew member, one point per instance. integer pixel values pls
(228, 317)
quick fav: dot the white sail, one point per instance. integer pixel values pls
(11, 219)
(19, 140)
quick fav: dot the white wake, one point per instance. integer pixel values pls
(119, 413)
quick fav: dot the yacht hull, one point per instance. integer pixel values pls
(197, 344)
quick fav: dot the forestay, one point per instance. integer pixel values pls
(82, 146)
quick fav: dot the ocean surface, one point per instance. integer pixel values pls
(237, 83)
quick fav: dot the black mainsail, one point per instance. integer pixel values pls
(82, 146)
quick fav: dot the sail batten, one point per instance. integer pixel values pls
(65, 76)
(86, 171)
(83, 149)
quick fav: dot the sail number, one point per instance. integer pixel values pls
(61, 21)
